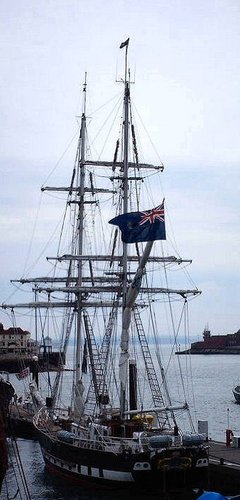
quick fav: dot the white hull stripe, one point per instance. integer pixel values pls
(84, 470)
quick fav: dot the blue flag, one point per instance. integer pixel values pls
(142, 226)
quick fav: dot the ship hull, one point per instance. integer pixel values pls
(21, 428)
(6, 394)
(13, 363)
(157, 470)
(236, 393)
(210, 351)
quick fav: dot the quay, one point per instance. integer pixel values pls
(224, 469)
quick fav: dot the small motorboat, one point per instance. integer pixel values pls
(236, 393)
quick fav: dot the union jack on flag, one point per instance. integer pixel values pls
(142, 226)
(153, 215)
(23, 374)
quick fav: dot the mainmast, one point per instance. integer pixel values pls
(129, 294)
(123, 363)
(125, 164)
(81, 176)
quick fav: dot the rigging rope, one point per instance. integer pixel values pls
(19, 475)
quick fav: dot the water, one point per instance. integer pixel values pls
(213, 378)
(41, 484)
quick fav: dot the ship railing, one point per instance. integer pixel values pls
(61, 412)
(82, 438)
(108, 444)
(46, 420)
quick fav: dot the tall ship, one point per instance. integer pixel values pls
(118, 424)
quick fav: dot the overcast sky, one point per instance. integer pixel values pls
(185, 58)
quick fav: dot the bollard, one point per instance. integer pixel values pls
(229, 435)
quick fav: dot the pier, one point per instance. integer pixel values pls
(224, 469)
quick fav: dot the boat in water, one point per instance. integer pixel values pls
(119, 424)
(215, 344)
(18, 350)
(21, 412)
(236, 393)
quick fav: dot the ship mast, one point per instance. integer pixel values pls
(129, 295)
(123, 363)
(81, 169)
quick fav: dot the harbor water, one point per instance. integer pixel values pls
(212, 378)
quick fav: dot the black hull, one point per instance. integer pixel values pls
(236, 394)
(109, 469)
(21, 428)
(210, 351)
(6, 394)
(46, 362)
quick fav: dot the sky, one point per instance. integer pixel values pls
(184, 56)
